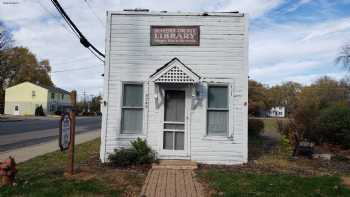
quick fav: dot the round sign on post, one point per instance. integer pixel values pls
(64, 134)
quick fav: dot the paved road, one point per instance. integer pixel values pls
(31, 131)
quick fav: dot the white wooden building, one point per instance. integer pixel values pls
(179, 80)
(277, 112)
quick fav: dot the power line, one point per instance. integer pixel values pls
(74, 69)
(69, 24)
(55, 17)
(94, 13)
(73, 60)
(96, 55)
(81, 37)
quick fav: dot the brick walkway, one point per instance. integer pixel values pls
(171, 183)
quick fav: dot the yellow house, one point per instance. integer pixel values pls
(24, 98)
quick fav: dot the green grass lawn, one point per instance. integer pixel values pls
(270, 124)
(44, 176)
(232, 183)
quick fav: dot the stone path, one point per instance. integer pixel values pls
(170, 182)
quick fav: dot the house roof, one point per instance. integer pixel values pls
(50, 88)
(54, 89)
(179, 69)
(166, 13)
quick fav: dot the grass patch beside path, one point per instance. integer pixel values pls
(229, 183)
(44, 176)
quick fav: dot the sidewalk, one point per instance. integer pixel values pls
(26, 153)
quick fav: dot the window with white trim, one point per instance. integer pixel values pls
(217, 112)
(132, 109)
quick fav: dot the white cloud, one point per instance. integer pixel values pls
(38, 26)
(328, 28)
(274, 46)
(298, 4)
(254, 8)
(307, 79)
(277, 51)
(283, 69)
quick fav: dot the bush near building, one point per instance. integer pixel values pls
(138, 154)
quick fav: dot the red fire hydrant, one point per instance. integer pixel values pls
(7, 172)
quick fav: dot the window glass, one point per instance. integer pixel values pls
(132, 120)
(217, 122)
(217, 115)
(217, 97)
(133, 95)
(132, 110)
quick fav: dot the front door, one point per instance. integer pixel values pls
(174, 122)
(16, 110)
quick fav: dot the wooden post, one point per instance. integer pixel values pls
(73, 98)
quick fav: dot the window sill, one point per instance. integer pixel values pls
(130, 135)
(217, 138)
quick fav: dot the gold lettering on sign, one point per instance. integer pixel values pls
(175, 35)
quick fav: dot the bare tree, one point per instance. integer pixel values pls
(5, 39)
(344, 57)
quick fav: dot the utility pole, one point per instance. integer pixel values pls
(84, 101)
(73, 97)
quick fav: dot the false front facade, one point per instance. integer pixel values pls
(179, 80)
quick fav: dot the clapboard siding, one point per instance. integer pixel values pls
(221, 57)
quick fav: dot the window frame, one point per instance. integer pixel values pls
(122, 108)
(227, 110)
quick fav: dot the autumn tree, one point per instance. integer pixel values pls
(96, 104)
(258, 98)
(322, 94)
(18, 65)
(285, 95)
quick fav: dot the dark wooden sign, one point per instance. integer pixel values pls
(175, 35)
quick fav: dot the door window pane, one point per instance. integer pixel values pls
(175, 106)
(133, 95)
(168, 140)
(179, 141)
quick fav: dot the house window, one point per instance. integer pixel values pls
(33, 93)
(217, 114)
(132, 108)
(52, 107)
(62, 96)
(52, 95)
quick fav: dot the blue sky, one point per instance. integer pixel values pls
(290, 40)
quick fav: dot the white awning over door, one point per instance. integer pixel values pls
(175, 72)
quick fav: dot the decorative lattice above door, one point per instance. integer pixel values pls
(175, 72)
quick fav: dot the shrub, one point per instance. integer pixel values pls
(255, 127)
(144, 153)
(123, 157)
(39, 111)
(334, 125)
(138, 153)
